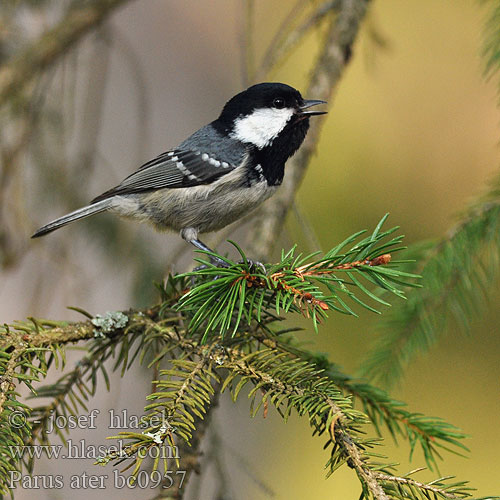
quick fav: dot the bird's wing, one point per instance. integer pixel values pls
(173, 169)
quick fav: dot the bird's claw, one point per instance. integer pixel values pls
(254, 264)
(215, 262)
(219, 262)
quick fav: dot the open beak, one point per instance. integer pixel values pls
(308, 103)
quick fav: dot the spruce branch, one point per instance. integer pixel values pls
(457, 273)
(258, 356)
(491, 41)
(17, 72)
(310, 284)
(25, 364)
(430, 433)
(246, 303)
(189, 460)
(287, 39)
(290, 384)
(330, 411)
(74, 389)
(406, 487)
(335, 54)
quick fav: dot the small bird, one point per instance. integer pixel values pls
(218, 174)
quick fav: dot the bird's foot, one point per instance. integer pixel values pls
(254, 265)
(215, 262)
(218, 262)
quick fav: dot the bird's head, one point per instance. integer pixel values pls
(261, 113)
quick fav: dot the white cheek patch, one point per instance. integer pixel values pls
(262, 126)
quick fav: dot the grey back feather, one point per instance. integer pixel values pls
(202, 158)
(224, 148)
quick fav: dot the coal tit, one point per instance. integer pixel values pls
(217, 175)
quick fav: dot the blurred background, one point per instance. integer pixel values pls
(413, 130)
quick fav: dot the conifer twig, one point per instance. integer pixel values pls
(7, 379)
(18, 72)
(411, 482)
(304, 271)
(378, 404)
(201, 371)
(335, 55)
(281, 45)
(337, 428)
(189, 461)
(455, 284)
(458, 270)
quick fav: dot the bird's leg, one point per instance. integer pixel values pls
(214, 260)
(220, 263)
(191, 236)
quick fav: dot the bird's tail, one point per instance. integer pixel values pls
(95, 208)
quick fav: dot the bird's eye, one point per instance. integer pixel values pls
(279, 103)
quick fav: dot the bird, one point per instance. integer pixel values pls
(217, 175)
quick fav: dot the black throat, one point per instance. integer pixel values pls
(272, 158)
